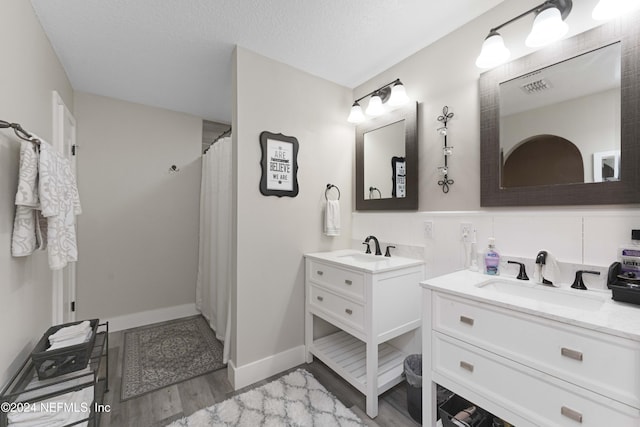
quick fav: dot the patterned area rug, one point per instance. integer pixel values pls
(296, 399)
(160, 355)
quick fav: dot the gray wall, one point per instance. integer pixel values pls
(273, 233)
(30, 71)
(138, 234)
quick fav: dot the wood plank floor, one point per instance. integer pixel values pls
(163, 406)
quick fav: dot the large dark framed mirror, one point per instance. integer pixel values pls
(544, 143)
(387, 161)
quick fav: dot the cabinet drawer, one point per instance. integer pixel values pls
(545, 400)
(344, 310)
(596, 361)
(343, 281)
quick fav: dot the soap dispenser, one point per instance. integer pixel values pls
(492, 259)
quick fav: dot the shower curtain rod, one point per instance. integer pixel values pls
(19, 131)
(218, 138)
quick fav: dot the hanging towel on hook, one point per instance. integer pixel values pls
(28, 224)
(332, 218)
(60, 204)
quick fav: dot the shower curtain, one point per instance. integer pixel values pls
(213, 294)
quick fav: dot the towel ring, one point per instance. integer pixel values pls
(372, 189)
(329, 187)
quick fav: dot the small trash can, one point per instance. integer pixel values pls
(413, 375)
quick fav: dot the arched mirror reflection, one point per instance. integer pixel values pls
(556, 121)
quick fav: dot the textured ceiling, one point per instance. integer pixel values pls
(176, 54)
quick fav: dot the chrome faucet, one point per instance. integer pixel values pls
(375, 240)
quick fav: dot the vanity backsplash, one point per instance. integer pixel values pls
(579, 239)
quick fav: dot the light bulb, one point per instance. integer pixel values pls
(548, 27)
(493, 52)
(356, 115)
(375, 107)
(609, 9)
(398, 95)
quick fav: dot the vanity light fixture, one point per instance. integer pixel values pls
(392, 93)
(609, 9)
(548, 26)
(375, 107)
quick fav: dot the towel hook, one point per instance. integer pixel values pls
(329, 187)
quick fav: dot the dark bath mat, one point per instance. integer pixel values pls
(167, 353)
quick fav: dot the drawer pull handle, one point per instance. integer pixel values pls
(468, 320)
(467, 366)
(572, 354)
(319, 272)
(570, 413)
(348, 282)
(320, 298)
(349, 311)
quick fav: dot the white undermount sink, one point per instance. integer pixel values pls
(358, 257)
(572, 298)
(351, 258)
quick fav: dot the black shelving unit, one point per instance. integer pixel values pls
(25, 388)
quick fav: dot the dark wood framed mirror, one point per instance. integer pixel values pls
(380, 143)
(623, 34)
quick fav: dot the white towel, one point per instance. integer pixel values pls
(80, 339)
(70, 335)
(27, 235)
(71, 331)
(332, 218)
(56, 411)
(60, 204)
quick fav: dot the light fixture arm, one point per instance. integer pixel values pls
(377, 90)
(564, 6)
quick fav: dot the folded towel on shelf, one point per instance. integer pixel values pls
(71, 331)
(70, 341)
(56, 411)
(332, 218)
(53, 385)
(60, 203)
(70, 335)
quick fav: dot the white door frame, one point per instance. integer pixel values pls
(63, 122)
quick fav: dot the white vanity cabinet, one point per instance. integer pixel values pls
(528, 365)
(371, 300)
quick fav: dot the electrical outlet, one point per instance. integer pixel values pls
(428, 229)
(466, 228)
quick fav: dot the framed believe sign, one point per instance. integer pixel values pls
(279, 165)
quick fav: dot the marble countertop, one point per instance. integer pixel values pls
(602, 314)
(368, 263)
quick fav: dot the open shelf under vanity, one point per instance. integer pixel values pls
(347, 356)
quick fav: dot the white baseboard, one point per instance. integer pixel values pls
(242, 376)
(142, 318)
